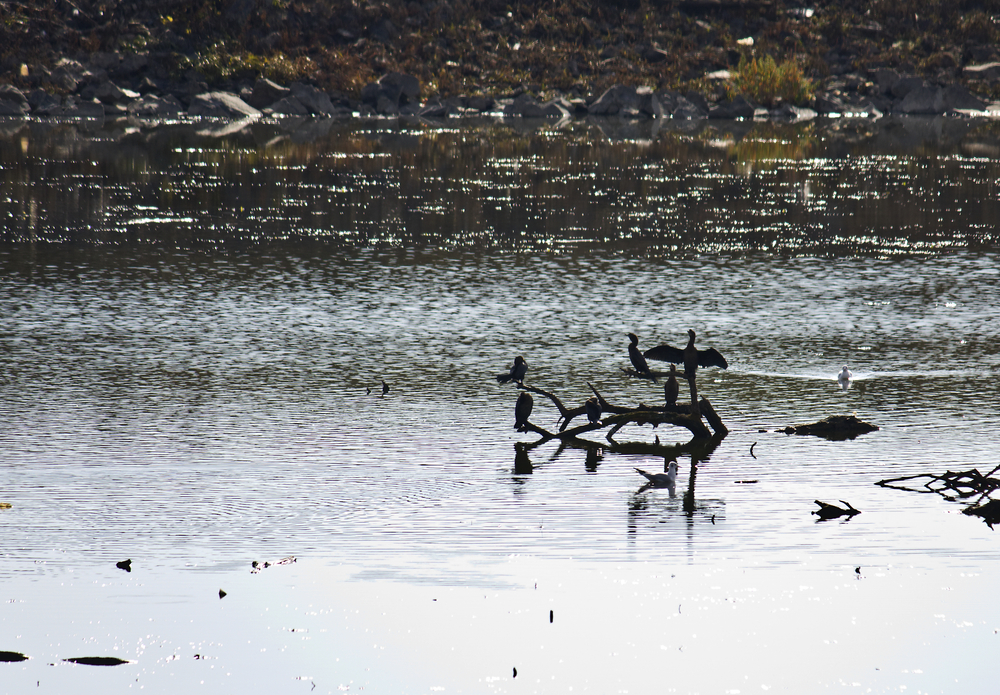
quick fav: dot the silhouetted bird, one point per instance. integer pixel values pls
(385, 388)
(124, 565)
(638, 361)
(690, 356)
(517, 372)
(522, 409)
(668, 479)
(593, 408)
(670, 389)
(832, 511)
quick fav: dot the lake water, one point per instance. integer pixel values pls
(195, 324)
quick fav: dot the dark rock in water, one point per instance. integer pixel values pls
(989, 512)
(835, 427)
(12, 657)
(152, 106)
(222, 594)
(124, 565)
(832, 511)
(13, 102)
(98, 660)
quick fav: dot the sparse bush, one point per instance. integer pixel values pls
(765, 82)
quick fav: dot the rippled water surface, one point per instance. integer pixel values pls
(193, 401)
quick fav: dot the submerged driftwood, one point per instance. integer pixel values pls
(617, 416)
(835, 427)
(955, 486)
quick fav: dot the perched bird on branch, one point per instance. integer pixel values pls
(593, 408)
(668, 479)
(522, 409)
(670, 389)
(638, 361)
(517, 372)
(690, 356)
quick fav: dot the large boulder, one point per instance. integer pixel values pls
(314, 99)
(923, 101)
(289, 106)
(221, 105)
(265, 92)
(392, 91)
(526, 106)
(151, 106)
(617, 100)
(13, 102)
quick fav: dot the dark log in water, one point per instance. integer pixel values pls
(835, 427)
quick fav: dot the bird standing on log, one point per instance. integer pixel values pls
(517, 372)
(670, 389)
(638, 361)
(690, 356)
(522, 409)
(593, 408)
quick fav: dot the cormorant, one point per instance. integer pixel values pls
(691, 356)
(517, 372)
(385, 387)
(593, 408)
(668, 479)
(522, 409)
(638, 361)
(670, 389)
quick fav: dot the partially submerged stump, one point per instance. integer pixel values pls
(835, 427)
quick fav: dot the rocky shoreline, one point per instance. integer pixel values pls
(154, 61)
(92, 93)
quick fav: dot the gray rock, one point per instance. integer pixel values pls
(408, 85)
(989, 72)
(830, 104)
(479, 103)
(884, 78)
(289, 106)
(387, 105)
(526, 106)
(220, 105)
(905, 85)
(957, 97)
(649, 104)
(314, 99)
(13, 102)
(105, 61)
(685, 110)
(792, 114)
(131, 64)
(743, 108)
(42, 103)
(923, 100)
(109, 93)
(265, 92)
(616, 100)
(81, 108)
(153, 107)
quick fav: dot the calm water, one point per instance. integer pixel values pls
(190, 323)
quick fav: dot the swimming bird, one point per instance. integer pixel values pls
(845, 375)
(517, 372)
(670, 389)
(691, 356)
(522, 409)
(385, 387)
(832, 511)
(593, 408)
(668, 479)
(638, 361)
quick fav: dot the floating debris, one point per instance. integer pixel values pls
(222, 594)
(98, 660)
(257, 566)
(124, 565)
(6, 505)
(832, 511)
(12, 657)
(989, 512)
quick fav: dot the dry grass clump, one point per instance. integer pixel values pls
(766, 82)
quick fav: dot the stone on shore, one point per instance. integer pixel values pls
(153, 107)
(265, 93)
(220, 105)
(13, 102)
